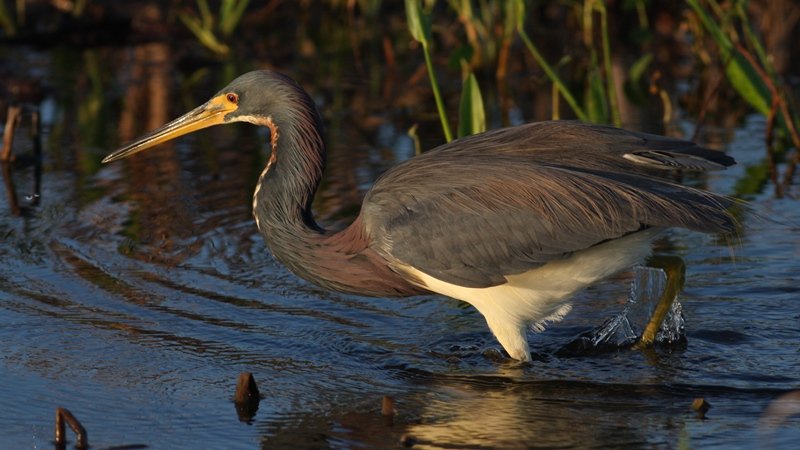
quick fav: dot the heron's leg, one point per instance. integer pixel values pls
(675, 270)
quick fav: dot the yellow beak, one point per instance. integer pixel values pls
(211, 113)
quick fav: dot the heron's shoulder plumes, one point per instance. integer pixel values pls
(580, 145)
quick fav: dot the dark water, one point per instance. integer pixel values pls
(135, 293)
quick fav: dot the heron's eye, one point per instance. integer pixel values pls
(233, 98)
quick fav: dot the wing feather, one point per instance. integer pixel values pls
(474, 212)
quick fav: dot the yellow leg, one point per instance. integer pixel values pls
(675, 270)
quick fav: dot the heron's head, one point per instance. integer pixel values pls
(257, 97)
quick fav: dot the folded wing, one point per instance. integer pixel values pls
(479, 209)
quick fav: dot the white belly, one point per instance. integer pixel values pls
(540, 295)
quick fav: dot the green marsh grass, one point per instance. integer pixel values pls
(752, 74)
(206, 26)
(419, 25)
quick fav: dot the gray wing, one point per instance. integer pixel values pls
(589, 146)
(478, 209)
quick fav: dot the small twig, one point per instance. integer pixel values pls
(63, 414)
(390, 68)
(387, 410)
(247, 397)
(701, 407)
(666, 104)
(14, 113)
(11, 193)
(551, 74)
(771, 157)
(246, 388)
(412, 133)
(500, 76)
(36, 136)
(387, 405)
(6, 157)
(701, 115)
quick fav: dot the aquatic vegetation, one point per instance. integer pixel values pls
(600, 102)
(420, 27)
(487, 34)
(206, 26)
(471, 114)
(751, 72)
(122, 301)
(7, 21)
(519, 12)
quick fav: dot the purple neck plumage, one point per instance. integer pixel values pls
(339, 261)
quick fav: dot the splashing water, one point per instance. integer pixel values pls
(648, 285)
(624, 329)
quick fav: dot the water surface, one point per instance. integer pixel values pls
(135, 293)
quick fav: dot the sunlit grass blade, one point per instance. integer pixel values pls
(519, 7)
(204, 34)
(204, 26)
(231, 13)
(635, 88)
(419, 25)
(471, 114)
(638, 68)
(420, 29)
(551, 74)
(611, 85)
(742, 76)
(7, 22)
(412, 133)
(595, 98)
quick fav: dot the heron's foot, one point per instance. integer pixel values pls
(675, 270)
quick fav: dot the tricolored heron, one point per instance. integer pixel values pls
(513, 221)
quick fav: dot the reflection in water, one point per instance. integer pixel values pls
(156, 344)
(11, 191)
(547, 416)
(782, 412)
(155, 189)
(9, 160)
(516, 409)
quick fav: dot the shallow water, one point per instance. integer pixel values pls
(135, 293)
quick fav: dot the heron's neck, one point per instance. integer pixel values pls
(293, 173)
(286, 188)
(340, 261)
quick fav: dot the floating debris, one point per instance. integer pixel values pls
(62, 415)
(247, 397)
(246, 388)
(387, 410)
(701, 406)
(387, 405)
(12, 119)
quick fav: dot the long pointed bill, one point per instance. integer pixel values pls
(211, 113)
